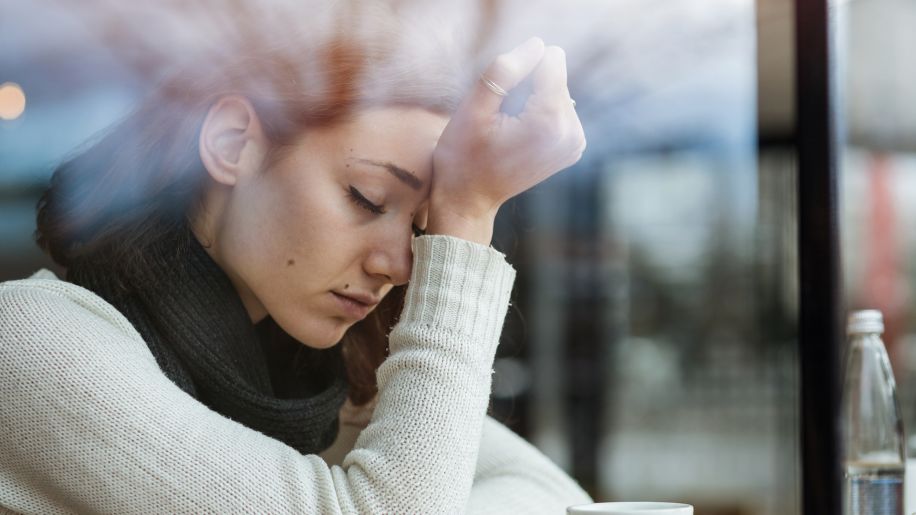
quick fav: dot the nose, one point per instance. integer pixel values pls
(391, 258)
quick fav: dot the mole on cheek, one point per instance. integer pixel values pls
(291, 262)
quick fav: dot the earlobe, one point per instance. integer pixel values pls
(232, 142)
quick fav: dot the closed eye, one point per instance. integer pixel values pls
(360, 200)
(364, 203)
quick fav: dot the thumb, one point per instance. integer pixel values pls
(506, 72)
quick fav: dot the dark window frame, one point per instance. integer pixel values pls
(820, 331)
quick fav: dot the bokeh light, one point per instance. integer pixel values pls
(12, 101)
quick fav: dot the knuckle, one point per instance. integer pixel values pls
(575, 131)
(578, 154)
(579, 137)
(572, 134)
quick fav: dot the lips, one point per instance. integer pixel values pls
(362, 298)
(356, 306)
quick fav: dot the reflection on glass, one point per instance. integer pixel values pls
(652, 352)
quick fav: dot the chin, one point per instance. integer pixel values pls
(316, 331)
(324, 345)
(324, 339)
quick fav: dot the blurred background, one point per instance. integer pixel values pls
(651, 350)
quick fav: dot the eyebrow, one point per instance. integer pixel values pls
(402, 175)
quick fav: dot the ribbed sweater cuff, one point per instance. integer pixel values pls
(460, 285)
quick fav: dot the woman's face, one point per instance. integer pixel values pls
(316, 239)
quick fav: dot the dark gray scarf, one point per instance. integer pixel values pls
(193, 321)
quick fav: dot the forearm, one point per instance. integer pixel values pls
(512, 476)
(445, 339)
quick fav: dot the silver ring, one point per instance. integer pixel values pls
(492, 86)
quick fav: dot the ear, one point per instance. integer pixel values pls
(232, 141)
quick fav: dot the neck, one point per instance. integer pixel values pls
(204, 227)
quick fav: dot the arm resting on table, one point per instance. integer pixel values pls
(513, 476)
(89, 423)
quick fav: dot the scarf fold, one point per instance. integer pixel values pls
(195, 324)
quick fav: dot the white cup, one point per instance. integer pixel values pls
(631, 508)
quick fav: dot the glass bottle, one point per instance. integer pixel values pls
(875, 452)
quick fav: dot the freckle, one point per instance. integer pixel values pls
(348, 166)
(346, 286)
(291, 262)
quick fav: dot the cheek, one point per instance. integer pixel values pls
(253, 231)
(281, 221)
(311, 230)
(292, 242)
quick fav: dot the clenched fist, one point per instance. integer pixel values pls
(485, 157)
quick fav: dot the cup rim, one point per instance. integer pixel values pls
(649, 507)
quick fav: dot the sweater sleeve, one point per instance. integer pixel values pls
(88, 423)
(513, 476)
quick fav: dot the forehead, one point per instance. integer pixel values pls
(397, 139)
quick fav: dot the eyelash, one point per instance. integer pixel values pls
(364, 203)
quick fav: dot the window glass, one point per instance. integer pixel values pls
(877, 164)
(651, 346)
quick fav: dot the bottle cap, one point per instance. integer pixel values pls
(867, 321)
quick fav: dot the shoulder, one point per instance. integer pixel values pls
(27, 299)
(44, 313)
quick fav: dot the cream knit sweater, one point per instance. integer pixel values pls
(88, 422)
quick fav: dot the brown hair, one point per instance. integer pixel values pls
(144, 177)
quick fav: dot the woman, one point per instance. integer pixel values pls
(225, 238)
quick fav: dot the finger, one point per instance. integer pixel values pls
(550, 77)
(507, 71)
